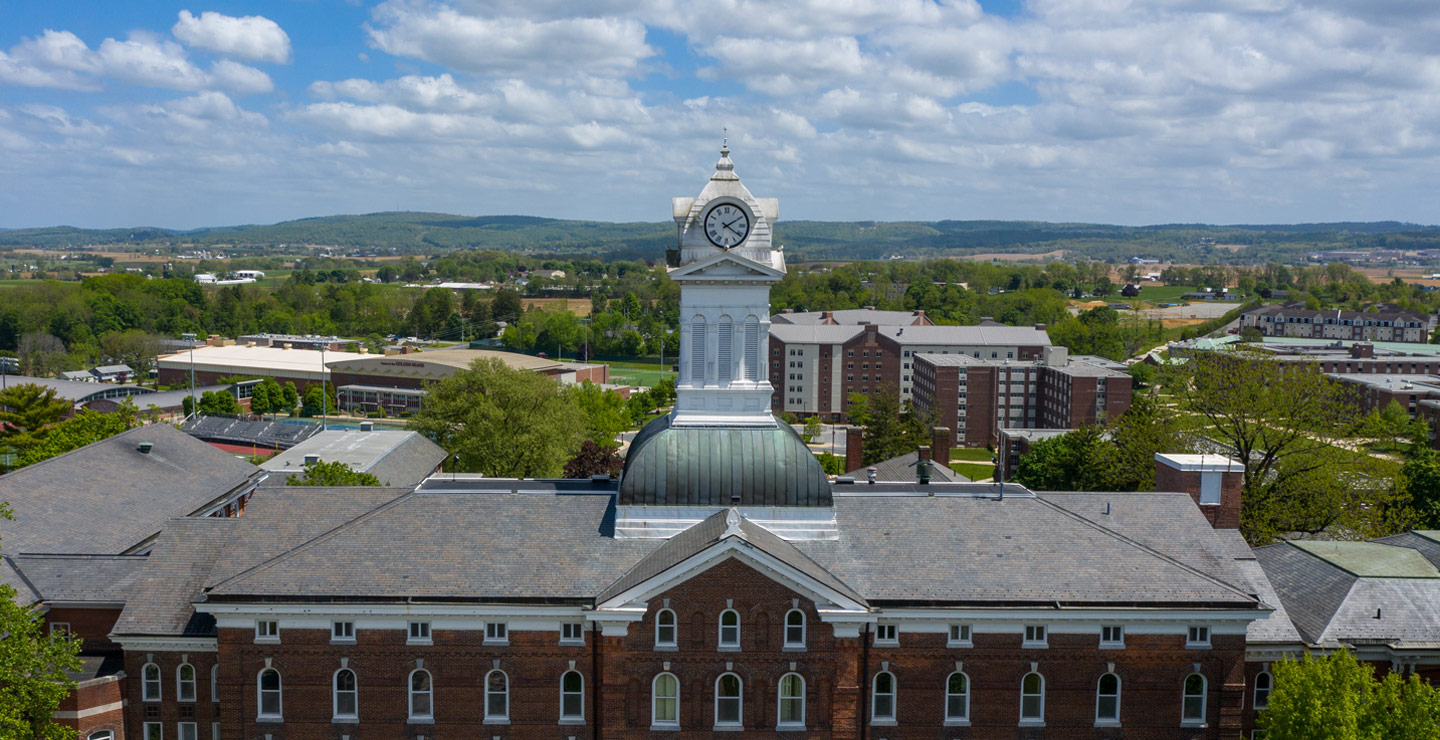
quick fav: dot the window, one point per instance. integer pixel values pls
(1035, 635)
(665, 701)
(886, 633)
(795, 629)
(957, 698)
(882, 698)
(267, 630)
(792, 702)
(572, 632)
(269, 688)
(959, 635)
(187, 731)
(420, 632)
(697, 350)
(751, 359)
(730, 629)
(1197, 637)
(728, 703)
(665, 628)
(1210, 488)
(342, 632)
(101, 735)
(497, 696)
(215, 683)
(214, 731)
(572, 697)
(497, 632)
(1032, 699)
(1192, 710)
(1112, 636)
(1262, 690)
(150, 688)
(421, 695)
(59, 628)
(723, 366)
(185, 682)
(347, 703)
(153, 731)
(1107, 700)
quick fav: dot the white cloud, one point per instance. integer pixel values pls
(239, 78)
(252, 37)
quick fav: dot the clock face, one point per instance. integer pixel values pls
(727, 225)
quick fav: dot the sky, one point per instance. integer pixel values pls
(182, 115)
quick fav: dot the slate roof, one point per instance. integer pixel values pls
(902, 469)
(850, 317)
(989, 334)
(96, 578)
(1310, 588)
(110, 498)
(395, 457)
(25, 594)
(1424, 541)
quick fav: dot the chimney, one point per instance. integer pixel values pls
(1039, 327)
(367, 426)
(920, 319)
(854, 448)
(1214, 481)
(1362, 350)
(787, 310)
(312, 459)
(922, 466)
(942, 442)
(987, 319)
(145, 447)
(827, 317)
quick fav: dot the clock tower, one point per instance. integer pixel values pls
(725, 264)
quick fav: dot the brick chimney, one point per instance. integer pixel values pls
(1360, 350)
(854, 448)
(1214, 481)
(942, 442)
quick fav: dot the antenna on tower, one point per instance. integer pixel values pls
(725, 136)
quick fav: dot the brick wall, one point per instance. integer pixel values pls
(91, 625)
(95, 705)
(1224, 516)
(169, 711)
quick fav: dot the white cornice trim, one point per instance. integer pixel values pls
(139, 643)
(88, 711)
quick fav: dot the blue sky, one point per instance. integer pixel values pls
(1120, 111)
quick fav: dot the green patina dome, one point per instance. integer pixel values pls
(709, 465)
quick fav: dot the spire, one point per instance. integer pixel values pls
(725, 169)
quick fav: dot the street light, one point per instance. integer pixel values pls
(190, 337)
(324, 395)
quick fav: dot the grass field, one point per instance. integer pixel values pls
(974, 471)
(971, 454)
(637, 373)
(1162, 294)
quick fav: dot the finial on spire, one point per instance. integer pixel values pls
(724, 168)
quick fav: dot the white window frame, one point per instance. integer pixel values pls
(342, 632)
(660, 641)
(739, 700)
(101, 735)
(429, 693)
(335, 691)
(267, 630)
(655, 699)
(795, 644)
(887, 634)
(572, 718)
(1112, 643)
(418, 633)
(260, 714)
(888, 718)
(214, 731)
(1107, 721)
(1036, 636)
(1269, 687)
(952, 719)
(1185, 697)
(180, 733)
(147, 682)
(215, 683)
(180, 683)
(576, 639)
(497, 633)
(960, 635)
(497, 718)
(158, 734)
(780, 698)
(1038, 720)
(729, 644)
(1197, 637)
(59, 628)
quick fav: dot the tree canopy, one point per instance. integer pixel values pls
(1338, 698)
(321, 473)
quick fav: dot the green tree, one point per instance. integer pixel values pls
(84, 428)
(219, 403)
(133, 347)
(1126, 462)
(832, 464)
(1068, 462)
(1392, 426)
(812, 429)
(331, 474)
(506, 306)
(890, 429)
(594, 459)
(289, 397)
(1421, 478)
(318, 398)
(26, 410)
(502, 422)
(606, 413)
(1338, 698)
(267, 397)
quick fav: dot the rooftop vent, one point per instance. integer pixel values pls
(145, 447)
(367, 426)
(312, 459)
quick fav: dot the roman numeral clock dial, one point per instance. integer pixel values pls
(727, 225)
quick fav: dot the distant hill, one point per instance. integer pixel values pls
(430, 233)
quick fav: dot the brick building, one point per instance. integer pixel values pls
(1384, 324)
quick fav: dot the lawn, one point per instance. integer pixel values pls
(972, 454)
(1159, 294)
(637, 373)
(974, 471)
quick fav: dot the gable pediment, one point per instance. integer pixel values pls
(725, 266)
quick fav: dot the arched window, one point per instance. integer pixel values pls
(957, 698)
(752, 348)
(101, 735)
(728, 691)
(269, 688)
(497, 696)
(697, 350)
(1263, 682)
(795, 629)
(422, 705)
(882, 698)
(1032, 698)
(215, 683)
(724, 356)
(792, 701)
(572, 696)
(729, 629)
(665, 701)
(665, 628)
(1107, 699)
(1192, 709)
(347, 698)
(150, 683)
(185, 682)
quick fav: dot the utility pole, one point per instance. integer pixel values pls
(324, 395)
(190, 337)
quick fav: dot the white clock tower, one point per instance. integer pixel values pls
(726, 265)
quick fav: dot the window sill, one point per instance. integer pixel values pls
(344, 720)
(267, 641)
(728, 728)
(342, 641)
(957, 723)
(793, 649)
(665, 727)
(882, 723)
(572, 721)
(495, 643)
(1193, 723)
(1197, 646)
(1032, 723)
(1034, 645)
(269, 718)
(790, 727)
(959, 644)
(887, 643)
(666, 648)
(573, 643)
(729, 648)
(420, 721)
(497, 720)
(419, 642)
(1112, 646)
(1107, 723)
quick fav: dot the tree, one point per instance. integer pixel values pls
(289, 397)
(594, 459)
(25, 410)
(832, 464)
(812, 429)
(133, 347)
(331, 474)
(318, 399)
(1338, 698)
(1127, 460)
(606, 414)
(890, 429)
(1391, 426)
(506, 306)
(1420, 477)
(501, 421)
(1068, 462)
(87, 427)
(41, 354)
(1252, 334)
(219, 403)
(267, 397)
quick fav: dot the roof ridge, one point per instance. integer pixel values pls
(38, 465)
(853, 591)
(23, 578)
(1150, 550)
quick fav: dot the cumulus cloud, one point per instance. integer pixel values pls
(60, 59)
(251, 37)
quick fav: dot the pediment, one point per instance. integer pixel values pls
(726, 266)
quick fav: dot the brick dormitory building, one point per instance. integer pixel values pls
(721, 584)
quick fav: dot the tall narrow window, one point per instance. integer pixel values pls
(1032, 698)
(1262, 690)
(154, 731)
(665, 628)
(185, 682)
(347, 703)
(422, 705)
(187, 731)
(724, 357)
(792, 702)
(1107, 700)
(572, 696)
(269, 687)
(752, 348)
(697, 350)
(1193, 703)
(215, 683)
(497, 696)
(730, 629)
(728, 691)
(665, 701)
(150, 684)
(795, 629)
(882, 698)
(957, 698)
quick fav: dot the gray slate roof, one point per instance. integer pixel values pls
(1310, 588)
(849, 316)
(902, 469)
(109, 498)
(25, 594)
(396, 457)
(96, 578)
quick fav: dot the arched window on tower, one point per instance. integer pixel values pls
(752, 348)
(697, 350)
(724, 356)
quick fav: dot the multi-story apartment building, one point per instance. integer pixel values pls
(1385, 324)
